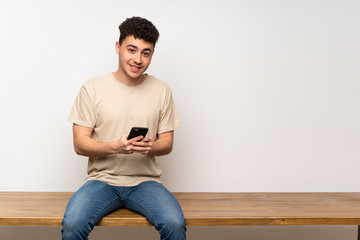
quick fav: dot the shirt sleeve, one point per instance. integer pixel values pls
(83, 111)
(169, 118)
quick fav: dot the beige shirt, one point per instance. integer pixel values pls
(112, 109)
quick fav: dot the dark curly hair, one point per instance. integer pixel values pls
(139, 28)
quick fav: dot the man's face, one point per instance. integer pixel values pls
(134, 56)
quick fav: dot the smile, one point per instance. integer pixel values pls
(135, 68)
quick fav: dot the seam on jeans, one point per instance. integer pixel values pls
(103, 210)
(146, 210)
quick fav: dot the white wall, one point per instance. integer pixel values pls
(267, 91)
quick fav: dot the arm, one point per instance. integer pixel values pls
(86, 146)
(162, 146)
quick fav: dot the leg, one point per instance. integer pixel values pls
(85, 209)
(160, 207)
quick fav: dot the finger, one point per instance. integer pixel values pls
(135, 139)
(141, 149)
(140, 143)
(143, 144)
(129, 149)
(146, 139)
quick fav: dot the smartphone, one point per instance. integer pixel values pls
(137, 131)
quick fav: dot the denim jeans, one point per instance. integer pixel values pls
(95, 199)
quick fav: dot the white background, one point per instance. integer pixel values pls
(267, 91)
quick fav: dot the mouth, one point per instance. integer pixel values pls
(135, 68)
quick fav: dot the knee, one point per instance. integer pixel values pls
(173, 228)
(75, 228)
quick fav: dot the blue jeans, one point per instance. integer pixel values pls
(95, 199)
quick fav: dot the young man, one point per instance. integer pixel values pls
(123, 173)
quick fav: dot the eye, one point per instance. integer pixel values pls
(131, 50)
(146, 54)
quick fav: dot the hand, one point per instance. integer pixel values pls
(125, 146)
(143, 146)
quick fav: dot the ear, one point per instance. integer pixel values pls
(117, 48)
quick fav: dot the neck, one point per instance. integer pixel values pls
(126, 80)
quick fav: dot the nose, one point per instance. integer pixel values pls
(138, 58)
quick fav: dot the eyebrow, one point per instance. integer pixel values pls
(146, 49)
